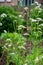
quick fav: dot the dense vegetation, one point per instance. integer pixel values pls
(17, 47)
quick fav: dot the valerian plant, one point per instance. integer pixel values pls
(36, 32)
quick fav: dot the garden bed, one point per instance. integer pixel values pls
(21, 36)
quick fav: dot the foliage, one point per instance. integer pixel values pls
(18, 51)
(7, 16)
(7, 23)
(36, 22)
(15, 38)
(14, 46)
(10, 19)
(36, 12)
(35, 36)
(36, 31)
(8, 9)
